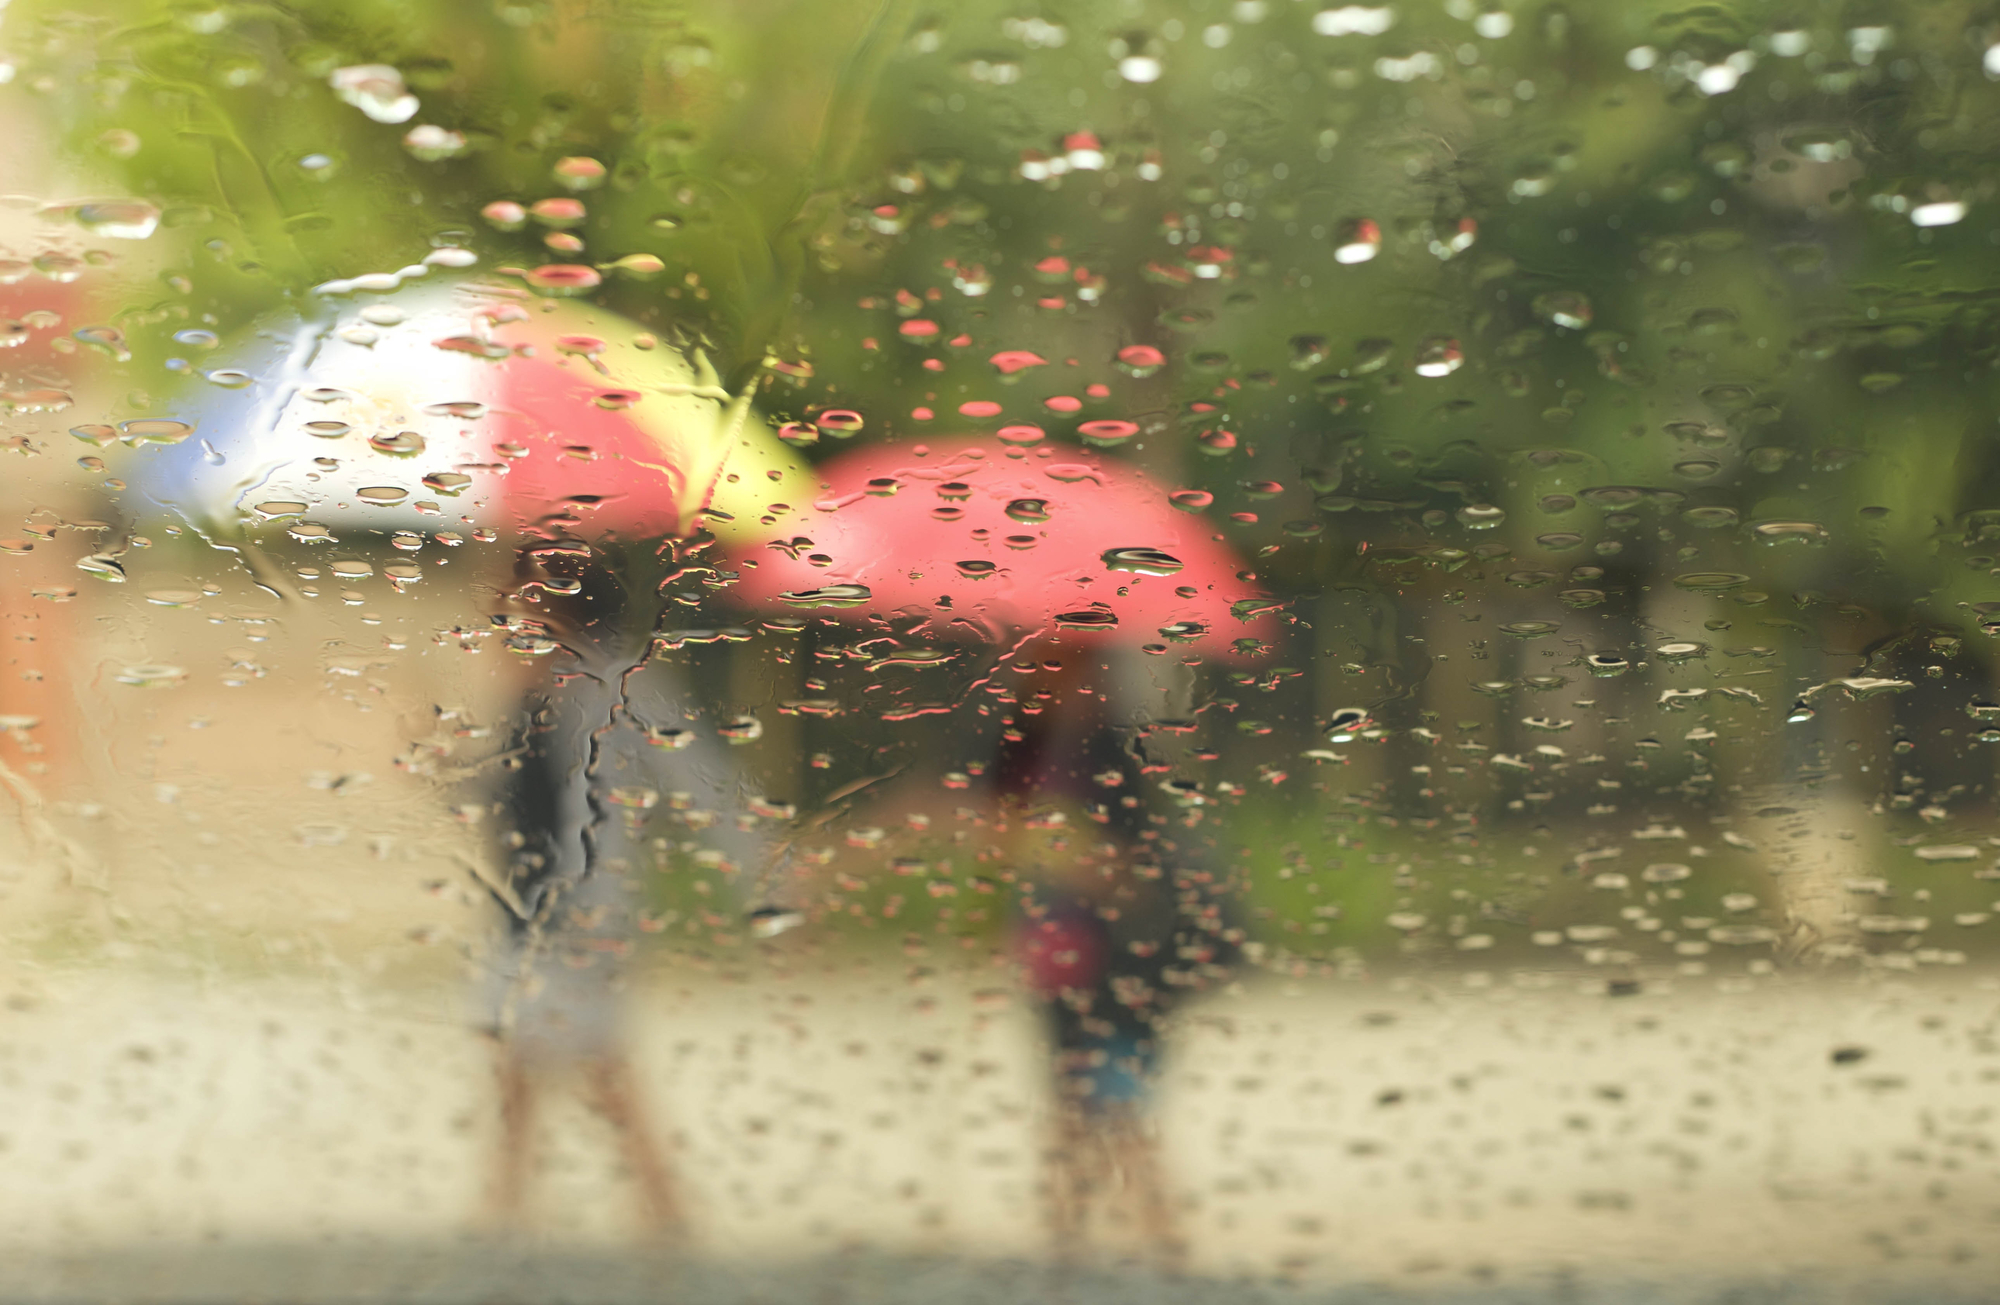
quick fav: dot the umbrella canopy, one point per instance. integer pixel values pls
(1000, 540)
(470, 402)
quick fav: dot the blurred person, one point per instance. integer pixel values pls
(603, 734)
(604, 448)
(1114, 941)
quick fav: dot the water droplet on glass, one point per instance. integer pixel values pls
(1141, 360)
(505, 214)
(1480, 516)
(741, 729)
(1142, 561)
(839, 423)
(1711, 581)
(579, 173)
(1943, 213)
(119, 219)
(1107, 433)
(399, 444)
(1357, 240)
(1140, 69)
(1011, 362)
(1030, 510)
(1790, 532)
(1094, 617)
(1565, 308)
(32, 401)
(828, 596)
(377, 90)
(564, 279)
(1438, 356)
(151, 676)
(153, 430)
(104, 568)
(1354, 20)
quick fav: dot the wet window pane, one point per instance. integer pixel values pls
(1147, 649)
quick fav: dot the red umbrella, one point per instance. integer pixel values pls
(993, 539)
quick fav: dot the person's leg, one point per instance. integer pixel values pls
(616, 1095)
(1136, 1153)
(1072, 1163)
(514, 1159)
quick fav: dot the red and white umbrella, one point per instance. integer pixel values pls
(467, 404)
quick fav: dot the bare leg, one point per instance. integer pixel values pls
(1137, 1155)
(508, 1201)
(1069, 1181)
(615, 1094)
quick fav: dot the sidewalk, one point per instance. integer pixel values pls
(163, 1142)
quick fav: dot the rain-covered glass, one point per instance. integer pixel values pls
(846, 651)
